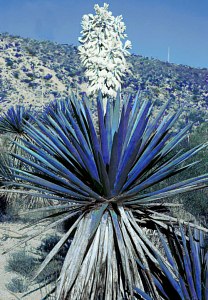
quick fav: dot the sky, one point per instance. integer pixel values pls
(153, 26)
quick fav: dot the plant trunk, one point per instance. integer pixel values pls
(101, 263)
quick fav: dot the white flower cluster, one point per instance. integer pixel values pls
(102, 51)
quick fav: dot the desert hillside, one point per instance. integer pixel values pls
(34, 72)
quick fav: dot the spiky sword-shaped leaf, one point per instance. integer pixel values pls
(187, 277)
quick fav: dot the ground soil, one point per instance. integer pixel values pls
(10, 233)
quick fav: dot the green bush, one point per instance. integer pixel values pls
(17, 285)
(196, 202)
(22, 263)
(25, 265)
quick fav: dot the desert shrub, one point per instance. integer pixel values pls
(6, 162)
(17, 285)
(49, 243)
(30, 51)
(195, 202)
(16, 74)
(3, 205)
(25, 264)
(51, 273)
(9, 62)
(21, 262)
(10, 202)
(48, 77)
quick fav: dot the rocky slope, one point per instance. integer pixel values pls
(33, 72)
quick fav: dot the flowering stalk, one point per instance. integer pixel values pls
(102, 51)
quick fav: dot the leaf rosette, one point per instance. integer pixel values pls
(106, 177)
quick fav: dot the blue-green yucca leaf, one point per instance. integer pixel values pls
(187, 276)
(174, 189)
(156, 121)
(135, 122)
(116, 151)
(172, 280)
(191, 267)
(103, 132)
(116, 113)
(160, 287)
(159, 176)
(149, 157)
(131, 151)
(56, 165)
(61, 187)
(96, 218)
(80, 118)
(132, 119)
(64, 149)
(13, 124)
(97, 153)
(195, 256)
(52, 109)
(197, 264)
(141, 166)
(108, 125)
(144, 295)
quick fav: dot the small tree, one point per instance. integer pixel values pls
(102, 51)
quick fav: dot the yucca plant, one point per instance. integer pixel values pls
(12, 123)
(6, 174)
(12, 128)
(187, 278)
(53, 108)
(104, 182)
(6, 169)
(6, 166)
(11, 201)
